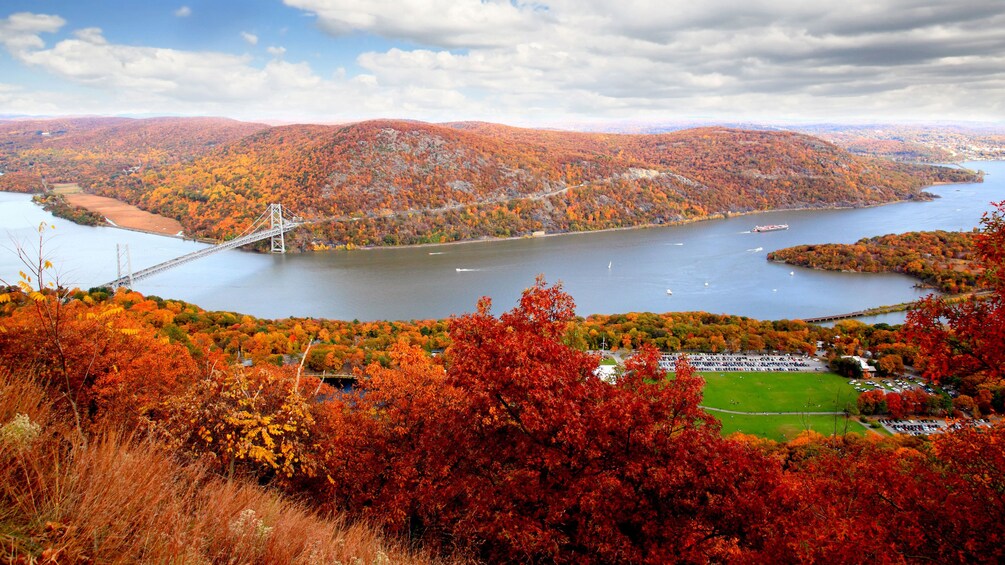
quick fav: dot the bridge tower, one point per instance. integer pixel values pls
(279, 239)
(122, 252)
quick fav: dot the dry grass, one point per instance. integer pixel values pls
(124, 501)
(125, 215)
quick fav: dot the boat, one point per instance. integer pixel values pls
(771, 227)
(669, 291)
(609, 264)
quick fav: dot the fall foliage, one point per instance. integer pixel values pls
(944, 260)
(507, 447)
(518, 451)
(393, 182)
(961, 342)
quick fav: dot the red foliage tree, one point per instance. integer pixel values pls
(520, 452)
(872, 402)
(964, 339)
(895, 405)
(854, 500)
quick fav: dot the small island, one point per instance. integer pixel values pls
(939, 259)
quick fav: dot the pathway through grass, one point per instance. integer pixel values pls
(793, 394)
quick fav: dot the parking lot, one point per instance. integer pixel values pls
(926, 427)
(749, 362)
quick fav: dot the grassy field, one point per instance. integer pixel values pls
(780, 392)
(781, 428)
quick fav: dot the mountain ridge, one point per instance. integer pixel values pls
(407, 182)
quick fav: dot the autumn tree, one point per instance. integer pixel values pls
(872, 402)
(518, 451)
(100, 362)
(890, 365)
(855, 499)
(255, 421)
(963, 340)
(895, 405)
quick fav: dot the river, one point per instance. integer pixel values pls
(716, 266)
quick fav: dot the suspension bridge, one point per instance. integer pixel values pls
(270, 225)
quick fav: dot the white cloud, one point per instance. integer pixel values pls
(570, 59)
(183, 12)
(21, 31)
(446, 23)
(669, 56)
(136, 79)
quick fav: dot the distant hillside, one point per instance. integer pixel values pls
(918, 144)
(912, 143)
(405, 182)
(87, 149)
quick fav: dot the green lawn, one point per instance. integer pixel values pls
(778, 392)
(781, 428)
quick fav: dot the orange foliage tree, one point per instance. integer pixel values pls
(102, 361)
(256, 421)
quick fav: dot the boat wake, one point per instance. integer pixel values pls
(467, 270)
(437, 252)
(756, 250)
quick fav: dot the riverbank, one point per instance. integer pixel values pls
(126, 216)
(711, 217)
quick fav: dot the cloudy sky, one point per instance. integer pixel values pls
(525, 63)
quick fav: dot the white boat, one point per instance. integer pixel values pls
(669, 291)
(609, 264)
(772, 227)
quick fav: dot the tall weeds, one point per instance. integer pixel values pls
(122, 499)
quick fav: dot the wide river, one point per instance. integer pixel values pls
(715, 266)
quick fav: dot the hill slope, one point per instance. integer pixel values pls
(87, 149)
(409, 182)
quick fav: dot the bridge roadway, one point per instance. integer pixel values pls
(834, 317)
(236, 242)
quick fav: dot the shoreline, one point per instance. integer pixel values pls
(717, 216)
(125, 207)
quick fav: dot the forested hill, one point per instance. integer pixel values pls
(412, 182)
(35, 153)
(945, 260)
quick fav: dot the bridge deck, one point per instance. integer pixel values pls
(236, 242)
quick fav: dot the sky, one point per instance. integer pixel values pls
(516, 62)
